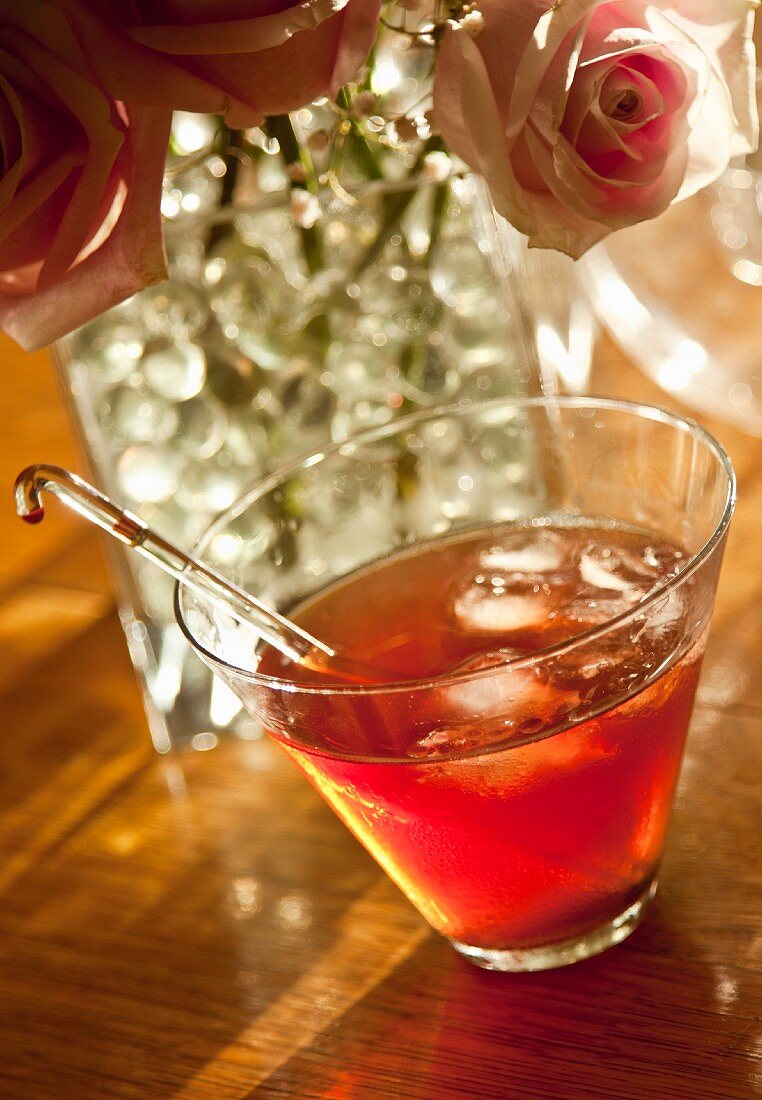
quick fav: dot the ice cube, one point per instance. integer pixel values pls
(556, 758)
(532, 759)
(630, 570)
(649, 699)
(444, 741)
(483, 606)
(665, 614)
(600, 673)
(595, 666)
(600, 575)
(539, 557)
(506, 691)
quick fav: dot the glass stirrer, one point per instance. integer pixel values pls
(288, 638)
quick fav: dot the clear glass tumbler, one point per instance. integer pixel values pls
(528, 584)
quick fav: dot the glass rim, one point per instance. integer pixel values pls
(655, 413)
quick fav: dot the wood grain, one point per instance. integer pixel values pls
(201, 927)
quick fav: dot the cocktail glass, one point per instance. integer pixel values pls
(521, 802)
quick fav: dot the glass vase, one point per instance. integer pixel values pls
(268, 341)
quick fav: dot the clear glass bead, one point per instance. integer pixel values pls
(129, 415)
(247, 441)
(348, 232)
(485, 383)
(201, 427)
(209, 486)
(231, 376)
(272, 230)
(460, 273)
(253, 535)
(243, 304)
(240, 298)
(357, 367)
(175, 308)
(307, 404)
(176, 369)
(443, 438)
(478, 337)
(356, 416)
(231, 254)
(194, 189)
(382, 285)
(147, 473)
(110, 347)
(416, 312)
(428, 371)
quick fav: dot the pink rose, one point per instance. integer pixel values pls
(240, 58)
(589, 115)
(80, 184)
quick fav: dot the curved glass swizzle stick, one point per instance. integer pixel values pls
(81, 497)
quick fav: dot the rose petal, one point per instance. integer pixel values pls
(508, 30)
(133, 72)
(240, 68)
(466, 112)
(33, 217)
(468, 117)
(644, 145)
(211, 33)
(99, 137)
(651, 102)
(716, 131)
(11, 115)
(305, 66)
(726, 35)
(621, 203)
(551, 76)
(594, 131)
(568, 19)
(130, 258)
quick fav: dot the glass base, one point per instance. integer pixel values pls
(565, 952)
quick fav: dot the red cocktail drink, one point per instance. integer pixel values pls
(544, 836)
(528, 584)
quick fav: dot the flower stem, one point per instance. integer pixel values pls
(234, 155)
(360, 147)
(281, 128)
(438, 206)
(394, 206)
(365, 157)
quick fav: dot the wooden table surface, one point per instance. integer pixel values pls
(201, 926)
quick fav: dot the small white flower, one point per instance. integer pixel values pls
(319, 141)
(436, 167)
(296, 173)
(305, 208)
(473, 23)
(364, 105)
(406, 129)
